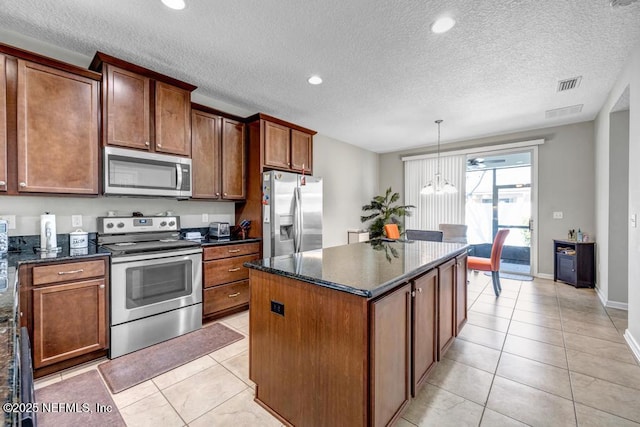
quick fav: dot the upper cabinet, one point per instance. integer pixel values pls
(142, 109)
(219, 156)
(49, 125)
(285, 146)
(3, 124)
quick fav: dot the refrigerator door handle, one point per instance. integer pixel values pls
(297, 221)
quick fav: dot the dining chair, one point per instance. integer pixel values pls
(454, 233)
(392, 231)
(427, 235)
(491, 264)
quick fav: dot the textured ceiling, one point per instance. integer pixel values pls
(386, 76)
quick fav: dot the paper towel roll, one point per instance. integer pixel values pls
(48, 239)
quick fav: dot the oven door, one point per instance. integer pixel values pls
(147, 284)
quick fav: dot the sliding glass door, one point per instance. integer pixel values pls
(499, 195)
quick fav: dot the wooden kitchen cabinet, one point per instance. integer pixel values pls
(424, 332)
(3, 124)
(57, 131)
(143, 109)
(65, 308)
(446, 306)
(225, 278)
(391, 355)
(461, 292)
(285, 146)
(219, 156)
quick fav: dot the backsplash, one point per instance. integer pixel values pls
(28, 209)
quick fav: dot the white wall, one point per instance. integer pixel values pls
(618, 284)
(350, 180)
(629, 77)
(565, 180)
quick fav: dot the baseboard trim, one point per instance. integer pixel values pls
(618, 305)
(545, 276)
(633, 344)
(601, 297)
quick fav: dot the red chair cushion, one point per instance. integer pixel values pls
(477, 263)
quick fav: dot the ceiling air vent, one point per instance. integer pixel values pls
(569, 84)
(618, 3)
(564, 111)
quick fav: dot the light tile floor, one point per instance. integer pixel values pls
(543, 353)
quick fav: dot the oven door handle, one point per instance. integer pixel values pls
(146, 256)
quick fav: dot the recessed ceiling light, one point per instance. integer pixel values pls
(443, 24)
(314, 80)
(174, 4)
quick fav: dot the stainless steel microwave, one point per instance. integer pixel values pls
(130, 172)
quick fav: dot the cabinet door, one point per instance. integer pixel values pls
(461, 292)
(3, 124)
(301, 151)
(127, 109)
(61, 333)
(390, 355)
(173, 120)
(276, 145)
(425, 330)
(446, 306)
(566, 268)
(57, 131)
(205, 147)
(233, 160)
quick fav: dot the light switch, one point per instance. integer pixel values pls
(557, 215)
(634, 221)
(205, 217)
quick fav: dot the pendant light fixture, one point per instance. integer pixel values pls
(439, 185)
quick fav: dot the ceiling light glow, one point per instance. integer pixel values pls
(443, 24)
(174, 4)
(314, 80)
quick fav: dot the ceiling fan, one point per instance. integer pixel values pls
(480, 162)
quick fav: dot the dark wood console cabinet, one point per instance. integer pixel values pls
(575, 263)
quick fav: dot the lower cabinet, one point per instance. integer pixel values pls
(65, 308)
(225, 279)
(461, 292)
(424, 335)
(446, 306)
(391, 355)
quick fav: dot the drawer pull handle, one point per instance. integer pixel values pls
(101, 286)
(231, 270)
(234, 295)
(233, 251)
(60, 273)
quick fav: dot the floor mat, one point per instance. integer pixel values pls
(139, 366)
(82, 400)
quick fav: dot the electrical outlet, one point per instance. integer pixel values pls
(205, 217)
(76, 220)
(277, 307)
(11, 221)
(557, 215)
(634, 221)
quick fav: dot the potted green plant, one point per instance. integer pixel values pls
(384, 211)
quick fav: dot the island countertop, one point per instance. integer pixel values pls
(367, 269)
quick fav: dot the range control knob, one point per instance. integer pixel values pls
(163, 224)
(109, 225)
(121, 225)
(172, 223)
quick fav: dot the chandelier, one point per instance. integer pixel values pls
(439, 185)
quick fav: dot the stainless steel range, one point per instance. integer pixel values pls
(156, 281)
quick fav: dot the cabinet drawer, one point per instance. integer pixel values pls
(218, 252)
(225, 296)
(226, 270)
(69, 271)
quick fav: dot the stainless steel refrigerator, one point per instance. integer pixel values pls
(292, 213)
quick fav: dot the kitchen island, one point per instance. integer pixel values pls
(347, 335)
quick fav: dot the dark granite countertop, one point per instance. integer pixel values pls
(368, 269)
(232, 241)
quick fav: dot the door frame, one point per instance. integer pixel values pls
(534, 194)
